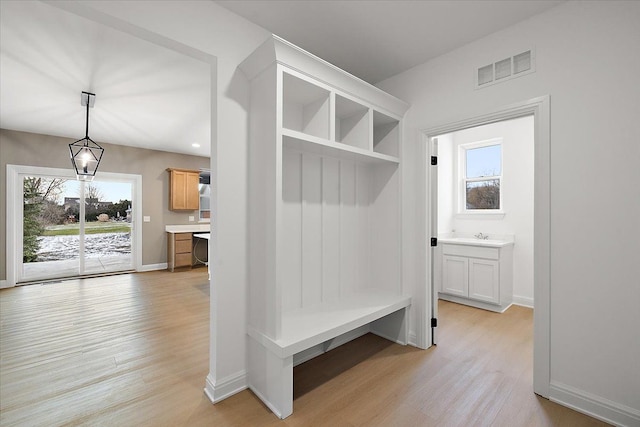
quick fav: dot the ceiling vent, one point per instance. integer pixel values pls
(505, 69)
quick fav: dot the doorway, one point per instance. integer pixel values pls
(539, 109)
(66, 228)
(485, 200)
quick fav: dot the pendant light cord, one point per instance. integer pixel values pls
(87, 127)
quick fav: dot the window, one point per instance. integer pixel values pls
(481, 176)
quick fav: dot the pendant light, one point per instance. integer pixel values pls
(86, 154)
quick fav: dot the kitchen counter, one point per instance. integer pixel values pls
(188, 228)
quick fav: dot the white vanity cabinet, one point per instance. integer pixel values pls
(479, 275)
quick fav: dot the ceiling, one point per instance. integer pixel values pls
(151, 97)
(146, 95)
(377, 39)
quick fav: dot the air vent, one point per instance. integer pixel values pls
(522, 62)
(506, 69)
(485, 75)
(503, 69)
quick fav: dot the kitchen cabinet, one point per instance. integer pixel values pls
(183, 189)
(179, 250)
(478, 276)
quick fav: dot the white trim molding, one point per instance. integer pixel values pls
(594, 406)
(523, 301)
(153, 267)
(226, 387)
(4, 284)
(540, 109)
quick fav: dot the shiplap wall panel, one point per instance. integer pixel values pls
(311, 230)
(330, 228)
(340, 222)
(348, 227)
(385, 229)
(363, 197)
(292, 230)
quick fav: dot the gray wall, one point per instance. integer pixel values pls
(22, 148)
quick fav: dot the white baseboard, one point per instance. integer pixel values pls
(413, 339)
(523, 301)
(153, 267)
(594, 406)
(226, 387)
(4, 284)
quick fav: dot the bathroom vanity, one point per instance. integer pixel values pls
(476, 272)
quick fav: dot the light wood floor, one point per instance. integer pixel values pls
(132, 350)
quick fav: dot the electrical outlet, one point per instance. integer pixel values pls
(146, 219)
(192, 218)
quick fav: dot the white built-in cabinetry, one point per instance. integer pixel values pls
(480, 276)
(325, 223)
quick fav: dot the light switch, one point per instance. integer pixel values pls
(192, 218)
(146, 219)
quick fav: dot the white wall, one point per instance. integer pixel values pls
(588, 61)
(212, 29)
(516, 188)
(445, 183)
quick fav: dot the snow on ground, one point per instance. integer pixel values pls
(56, 248)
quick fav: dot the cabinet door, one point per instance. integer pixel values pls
(177, 182)
(192, 195)
(455, 275)
(184, 193)
(484, 280)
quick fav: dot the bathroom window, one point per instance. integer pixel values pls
(481, 176)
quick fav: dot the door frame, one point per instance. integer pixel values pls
(539, 108)
(15, 206)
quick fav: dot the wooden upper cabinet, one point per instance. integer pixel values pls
(183, 189)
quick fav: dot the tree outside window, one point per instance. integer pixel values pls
(482, 176)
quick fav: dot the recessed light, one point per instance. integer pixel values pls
(196, 145)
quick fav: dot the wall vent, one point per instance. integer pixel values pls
(505, 69)
(485, 74)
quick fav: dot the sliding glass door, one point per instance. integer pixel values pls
(72, 228)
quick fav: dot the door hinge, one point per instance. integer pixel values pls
(434, 161)
(434, 241)
(434, 322)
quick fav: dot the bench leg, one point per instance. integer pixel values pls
(271, 378)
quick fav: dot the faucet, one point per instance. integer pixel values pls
(481, 236)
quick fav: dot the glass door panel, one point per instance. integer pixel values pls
(107, 227)
(50, 244)
(64, 237)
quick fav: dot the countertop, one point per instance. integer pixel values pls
(188, 228)
(492, 243)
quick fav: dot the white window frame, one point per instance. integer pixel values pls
(462, 179)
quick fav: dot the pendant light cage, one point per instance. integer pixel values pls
(85, 153)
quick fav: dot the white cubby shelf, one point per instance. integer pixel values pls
(324, 215)
(293, 140)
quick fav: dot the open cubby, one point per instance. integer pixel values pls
(386, 134)
(352, 123)
(305, 107)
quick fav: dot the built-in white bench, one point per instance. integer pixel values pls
(385, 314)
(325, 216)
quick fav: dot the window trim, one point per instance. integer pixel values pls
(462, 211)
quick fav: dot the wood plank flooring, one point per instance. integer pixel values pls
(132, 350)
